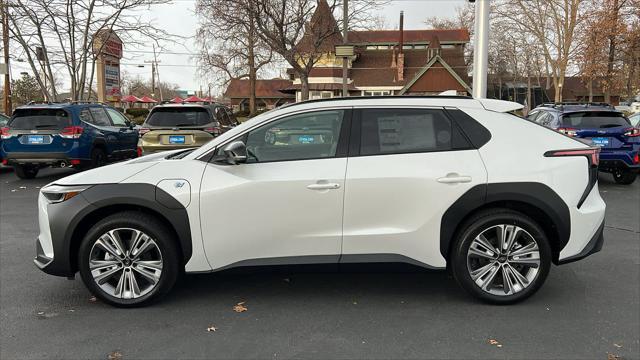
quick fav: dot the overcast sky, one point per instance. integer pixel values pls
(179, 18)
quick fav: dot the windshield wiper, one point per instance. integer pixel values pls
(184, 125)
(45, 126)
(609, 126)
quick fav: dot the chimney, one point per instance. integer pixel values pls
(400, 62)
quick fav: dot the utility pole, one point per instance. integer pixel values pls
(4, 9)
(155, 59)
(345, 41)
(481, 49)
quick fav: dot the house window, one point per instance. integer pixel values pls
(422, 46)
(320, 95)
(448, 46)
(407, 47)
(372, 47)
(377, 93)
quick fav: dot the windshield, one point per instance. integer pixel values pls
(33, 119)
(594, 120)
(173, 117)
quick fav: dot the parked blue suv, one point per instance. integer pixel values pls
(601, 125)
(74, 134)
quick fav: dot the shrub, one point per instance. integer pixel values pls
(138, 112)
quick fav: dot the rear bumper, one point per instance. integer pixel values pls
(593, 246)
(615, 160)
(39, 158)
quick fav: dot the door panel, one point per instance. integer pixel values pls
(286, 201)
(407, 167)
(266, 210)
(394, 203)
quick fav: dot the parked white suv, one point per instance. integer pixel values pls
(432, 181)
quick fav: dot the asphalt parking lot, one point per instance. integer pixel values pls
(586, 310)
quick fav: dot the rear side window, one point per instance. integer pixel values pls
(100, 117)
(594, 120)
(396, 131)
(174, 117)
(31, 119)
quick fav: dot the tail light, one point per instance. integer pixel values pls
(139, 151)
(5, 133)
(143, 131)
(71, 132)
(593, 157)
(636, 159)
(568, 131)
(214, 130)
(632, 132)
(5, 161)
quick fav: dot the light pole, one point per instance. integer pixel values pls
(345, 41)
(481, 48)
(4, 9)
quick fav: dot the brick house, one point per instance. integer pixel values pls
(268, 95)
(387, 62)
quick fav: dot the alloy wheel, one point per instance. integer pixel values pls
(125, 263)
(503, 260)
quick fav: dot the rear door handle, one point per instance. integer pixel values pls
(454, 178)
(323, 186)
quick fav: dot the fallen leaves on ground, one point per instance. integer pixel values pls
(495, 342)
(93, 299)
(116, 355)
(212, 328)
(239, 307)
(612, 357)
(616, 345)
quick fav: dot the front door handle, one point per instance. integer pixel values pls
(454, 178)
(323, 186)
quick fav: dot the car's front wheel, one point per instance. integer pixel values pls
(624, 177)
(501, 256)
(128, 259)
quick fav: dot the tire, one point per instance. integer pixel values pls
(98, 158)
(624, 177)
(26, 171)
(496, 289)
(161, 254)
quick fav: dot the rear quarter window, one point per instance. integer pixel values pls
(31, 119)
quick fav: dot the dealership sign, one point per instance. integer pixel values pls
(108, 48)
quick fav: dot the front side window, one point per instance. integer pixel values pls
(100, 117)
(312, 135)
(393, 131)
(117, 118)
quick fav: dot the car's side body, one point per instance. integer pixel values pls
(350, 207)
(76, 131)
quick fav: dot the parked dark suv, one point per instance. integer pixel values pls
(601, 125)
(81, 135)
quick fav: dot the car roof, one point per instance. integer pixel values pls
(571, 107)
(61, 105)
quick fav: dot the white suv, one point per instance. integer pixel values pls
(433, 181)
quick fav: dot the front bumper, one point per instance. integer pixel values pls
(593, 246)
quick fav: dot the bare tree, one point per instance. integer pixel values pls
(553, 24)
(57, 35)
(230, 47)
(290, 28)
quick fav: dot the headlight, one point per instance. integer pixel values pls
(58, 193)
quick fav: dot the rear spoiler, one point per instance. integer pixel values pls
(500, 105)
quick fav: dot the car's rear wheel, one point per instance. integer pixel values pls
(26, 171)
(501, 256)
(98, 158)
(624, 177)
(128, 259)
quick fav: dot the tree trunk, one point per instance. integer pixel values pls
(304, 89)
(252, 67)
(590, 90)
(612, 51)
(529, 106)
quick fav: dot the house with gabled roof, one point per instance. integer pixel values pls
(387, 62)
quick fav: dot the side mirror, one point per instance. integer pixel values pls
(235, 153)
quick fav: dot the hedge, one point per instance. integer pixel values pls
(138, 112)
